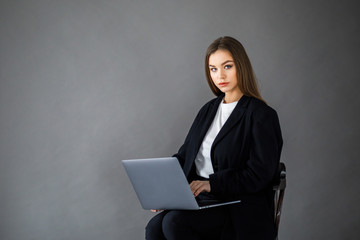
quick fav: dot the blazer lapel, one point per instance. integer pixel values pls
(233, 119)
(209, 120)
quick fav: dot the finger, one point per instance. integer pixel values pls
(199, 186)
(196, 193)
(196, 189)
(193, 185)
(199, 190)
(204, 187)
(196, 184)
(155, 210)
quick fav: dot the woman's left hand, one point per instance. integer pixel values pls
(199, 186)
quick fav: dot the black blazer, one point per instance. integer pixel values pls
(245, 155)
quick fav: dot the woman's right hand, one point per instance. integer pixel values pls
(155, 210)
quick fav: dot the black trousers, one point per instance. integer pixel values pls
(187, 224)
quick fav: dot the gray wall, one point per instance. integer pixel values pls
(85, 84)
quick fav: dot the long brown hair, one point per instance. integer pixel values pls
(244, 71)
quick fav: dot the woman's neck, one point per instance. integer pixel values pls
(229, 98)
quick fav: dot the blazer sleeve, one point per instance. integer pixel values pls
(263, 158)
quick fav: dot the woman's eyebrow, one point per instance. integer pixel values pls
(227, 61)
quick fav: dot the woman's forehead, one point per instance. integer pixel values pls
(219, 57)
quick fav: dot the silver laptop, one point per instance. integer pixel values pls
(160, 183)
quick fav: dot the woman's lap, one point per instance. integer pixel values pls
(187, 224)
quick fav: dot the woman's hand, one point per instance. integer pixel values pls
(155, 210)
(199, 186)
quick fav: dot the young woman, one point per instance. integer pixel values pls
(231, 152)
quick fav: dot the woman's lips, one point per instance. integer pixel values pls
(223, 84)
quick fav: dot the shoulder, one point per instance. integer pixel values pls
(259, 110)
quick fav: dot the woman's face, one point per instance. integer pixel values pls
(223, 71)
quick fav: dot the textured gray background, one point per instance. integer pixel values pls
(85, 84)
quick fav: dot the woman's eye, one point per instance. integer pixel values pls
(228, 66)
(213, 69)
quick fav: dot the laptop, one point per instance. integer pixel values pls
(160, 183)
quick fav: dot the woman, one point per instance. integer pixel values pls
(231, 152)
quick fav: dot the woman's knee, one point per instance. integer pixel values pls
(175, 226)
(153, 229)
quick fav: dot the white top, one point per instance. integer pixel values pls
(203, 159)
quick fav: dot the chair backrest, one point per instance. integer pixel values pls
(279, 188)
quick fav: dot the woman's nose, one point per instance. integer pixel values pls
(221, 74)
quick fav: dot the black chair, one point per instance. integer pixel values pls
(279, 189)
